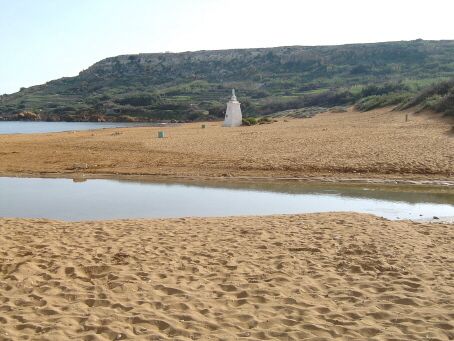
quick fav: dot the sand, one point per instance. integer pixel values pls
(324, 276)
(376, 144)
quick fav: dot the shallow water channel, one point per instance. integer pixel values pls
(94, 199)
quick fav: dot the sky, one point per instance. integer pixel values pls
(41, 40)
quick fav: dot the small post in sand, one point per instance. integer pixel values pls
(161, 134)
(406, 117)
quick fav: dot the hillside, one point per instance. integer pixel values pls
(439, 98)
(195, 85)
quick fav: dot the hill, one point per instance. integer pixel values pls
(196, 85)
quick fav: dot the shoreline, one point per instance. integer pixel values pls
(439, 220)
(441, 183)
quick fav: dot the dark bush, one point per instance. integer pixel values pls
(378, 90)
(139, 100)
(374, 102)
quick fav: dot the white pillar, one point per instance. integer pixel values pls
(233, 116)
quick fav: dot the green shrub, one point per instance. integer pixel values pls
(440, 89)
(374, 102)
(438, 97)
(264, 120)
(249, 121)
(138, 100)
(387, 88)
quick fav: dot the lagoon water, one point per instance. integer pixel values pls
(29, 127)
(65, 199)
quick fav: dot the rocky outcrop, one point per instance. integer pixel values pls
(28, 116)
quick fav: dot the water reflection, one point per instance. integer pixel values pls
(404, 193)
(114, 199)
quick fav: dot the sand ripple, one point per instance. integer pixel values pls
(317, 277)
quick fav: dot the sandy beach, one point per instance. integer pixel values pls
(323, 276)
(339, 276)
(226, 170)
(355, 145)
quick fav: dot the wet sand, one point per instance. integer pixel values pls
(331, 146)
(316, 276)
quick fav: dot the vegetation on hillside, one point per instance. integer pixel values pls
(439, 98)
(196, 85)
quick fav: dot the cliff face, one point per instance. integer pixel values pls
(193, 85)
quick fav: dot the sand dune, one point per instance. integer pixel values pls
(316, 277)
(375, 144)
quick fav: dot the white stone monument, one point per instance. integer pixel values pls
(233, 117)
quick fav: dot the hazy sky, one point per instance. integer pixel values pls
(41, 40)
